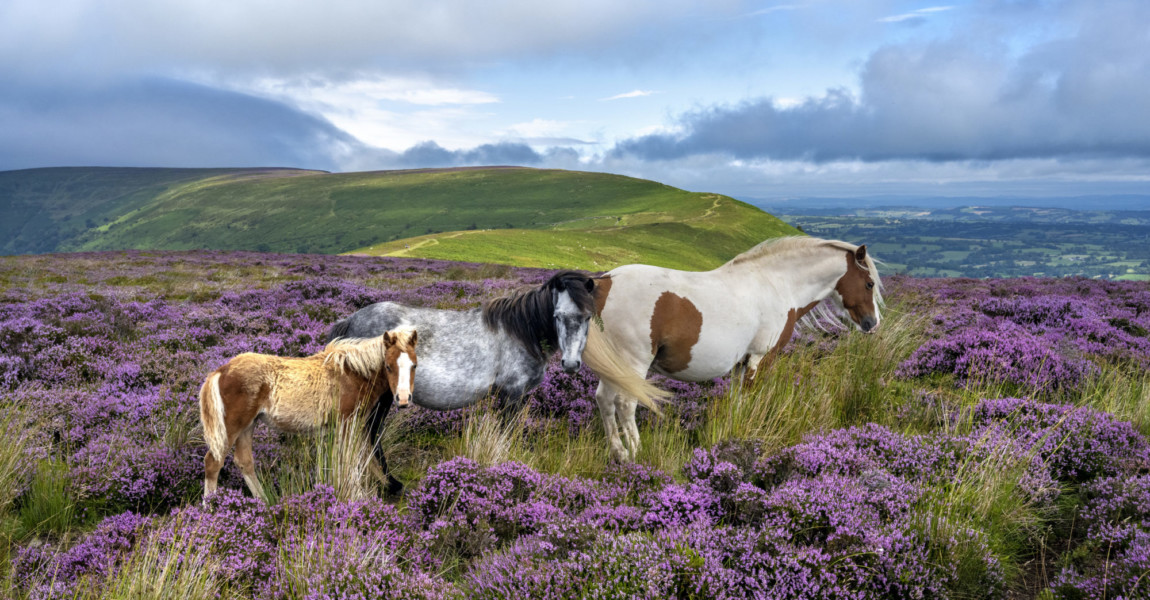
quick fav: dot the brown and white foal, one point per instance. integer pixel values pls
(298, 394)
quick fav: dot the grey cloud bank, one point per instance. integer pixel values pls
(161, 123)
(1082, 96)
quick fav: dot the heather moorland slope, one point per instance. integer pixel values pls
(989, 441)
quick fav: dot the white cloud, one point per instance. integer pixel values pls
(917, 14)
(536, 128)
(387, 112)
(774, 9)
(631, 94)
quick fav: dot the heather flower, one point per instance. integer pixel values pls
(1117, 563)
(44, 574)
(1077, 443)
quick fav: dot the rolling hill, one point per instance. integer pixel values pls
(499, 214)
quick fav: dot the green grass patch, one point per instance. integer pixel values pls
(49, 506)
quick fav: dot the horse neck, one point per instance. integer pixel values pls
(798, 278)
(527, 324)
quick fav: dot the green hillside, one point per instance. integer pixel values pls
(515, 215)
(45, 210)
(718, 229)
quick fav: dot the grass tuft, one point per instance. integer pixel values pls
(49, 507)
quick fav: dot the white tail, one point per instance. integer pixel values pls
(603, 357)
(212, 417)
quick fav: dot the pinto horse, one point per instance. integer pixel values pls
(298, 394)
(501, 349)
(695, 326)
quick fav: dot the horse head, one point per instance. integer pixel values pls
(574, 305)
(399, 364)
(858, 291)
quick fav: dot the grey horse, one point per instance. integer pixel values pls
(501, 349)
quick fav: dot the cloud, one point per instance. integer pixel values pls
(1085, 94)
(161, 123)
(543, 132)
(914, 15)
(631, 94)
(303, 36)
(431, 154)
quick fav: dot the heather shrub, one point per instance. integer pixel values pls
(236, 531)
(758, 563)
(1114, 559)
(45, 574)
(357, 549)
(630, 565)
(1077, 443)
(1001, 352)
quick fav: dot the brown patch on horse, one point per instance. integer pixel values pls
(793, 316)
(602, 288)
(852, 287)
(239, 415)
(675, 328)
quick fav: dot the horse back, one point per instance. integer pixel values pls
(370, 321)
(689, 325)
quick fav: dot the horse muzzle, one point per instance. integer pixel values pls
(868, 324)
(570, 366)
(403, 400)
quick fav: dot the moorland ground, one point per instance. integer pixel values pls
(988, 441)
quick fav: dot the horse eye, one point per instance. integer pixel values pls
(870, 285)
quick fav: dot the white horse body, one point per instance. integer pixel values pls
(695, 326)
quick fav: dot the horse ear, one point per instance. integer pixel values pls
(414, 336)
(389, 337)
(860, 254)
(590, 285)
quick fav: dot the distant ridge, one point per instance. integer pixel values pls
(571, 218)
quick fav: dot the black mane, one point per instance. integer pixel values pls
(527, 315)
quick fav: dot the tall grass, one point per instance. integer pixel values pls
(337, 454)
(984, 506)
(1122, 393)
(807, 390)
(163, 571)
(49, 506)
(489, 437)
(307, 566)
(13, 470)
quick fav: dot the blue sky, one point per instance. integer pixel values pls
(748, 98)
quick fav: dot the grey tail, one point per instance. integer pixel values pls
(338, 330)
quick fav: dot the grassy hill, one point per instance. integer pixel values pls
(511, 215)
(45, 210)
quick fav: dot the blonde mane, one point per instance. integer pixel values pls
(825, 315)
(364, 356)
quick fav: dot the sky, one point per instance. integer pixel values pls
(755, 99)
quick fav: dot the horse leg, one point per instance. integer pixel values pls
(212, 467)
(605, 397)
(625, 406)
(211, 474)
(247, 462)
(374, 424)
(744, 372)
